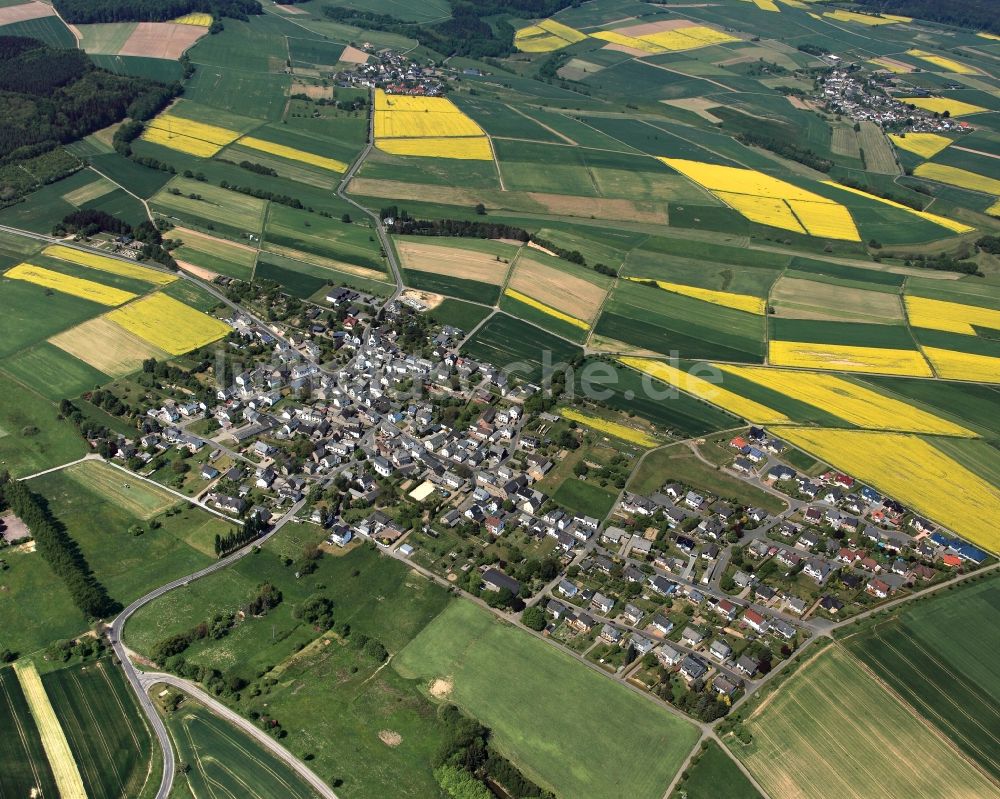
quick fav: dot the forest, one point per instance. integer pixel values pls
(975, 14)
(88, 11)
(51, 96)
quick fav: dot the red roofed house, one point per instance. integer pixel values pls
(755, 621)
(951, 560)
(738, 443)
(879, 588)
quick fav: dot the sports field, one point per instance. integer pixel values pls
(936, 654)
(518, 686)
(225, 761)
(105, 728)
(832, 730)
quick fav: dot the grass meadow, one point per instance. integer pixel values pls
(518, 686)
(584, 497)
(712, 775)
(32, 437)
(504, 340)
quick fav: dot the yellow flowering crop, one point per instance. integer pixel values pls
(168, 324)
(689, 38)
(954, 365)
(412, 102)
(845, 358)
(955, 108)
(546, 309)
(69, 783)
(994, 210)
(992, 36)
(771, 211)
(914, 472)
(947, 64)
(765, 5)
(706, 390)
(826, 220)
(866, 19)
(621, 431)
(704, 34)
(468, 148)
(629, 41)
(740, 302)
(292, 154)
(199, 19)
(847, 400)
(953, 317)
(951, 224)
(737, 180)
(112, 265)
(67, 284)
(415, 124)
(188, 136)
(546, 36)
(958, 177)
(926, 145)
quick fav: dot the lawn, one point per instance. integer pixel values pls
(519, 687)
(24, 768)
(937, 655)
(32, 438)
(584, 497)
(679, 464)
(834, 731)
(107, 732)
(713, 775)
(224, 761)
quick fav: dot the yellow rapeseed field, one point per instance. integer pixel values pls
(113, 265)
(741, 302)
(954, 365)
(737, 180)
(926, 145)
(953, 317)
(851, 402)
(992, 36)
(706, 390)
(168, 324)
(765, 5)
(546, 36)
(64, 769)
(293, 154)
(914, 472)
(628, 41)
(947, 64)
(621, 431)
(468, 148)
(199, 19)
(546, 309)
(994, 210)
(958, 177)
(844, 358)
(950, 224)
(427, 126)
(67, 284)
(763, 210)
(689, 38)
(705, 35)
(866, 19)
(826, 220)
(955, 108)
(188, 136)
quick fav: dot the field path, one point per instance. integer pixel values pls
(553, 131)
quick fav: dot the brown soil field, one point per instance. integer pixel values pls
(797, 103)
(564, 292)
(352, 55)
(412, 191)
(430, 301)
(795, 298)
(162, 39)
(452, 261)
(25, 12)
(198, 271)
(311, 90)
(107, 347)
(290, 9)
(621, 48)
(540, 248)
(186, 234)
(697, 105)
(14, 529)
(601, 207)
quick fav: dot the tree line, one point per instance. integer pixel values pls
(252, 529)
(58, 550)
(90, 11)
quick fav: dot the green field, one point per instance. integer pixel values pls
(518, 686)
(217, 255)
(459, 287)
(225, 761)
(23, 765)
(507, 342)
(713, 775)
(807, 741)
(521, 310)
(52, 372)
(936, 655)
(463, 315)
(107, 732)
(32, 437)
(230, 210)
(32, 314)
(351, 243)
(586, 498)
